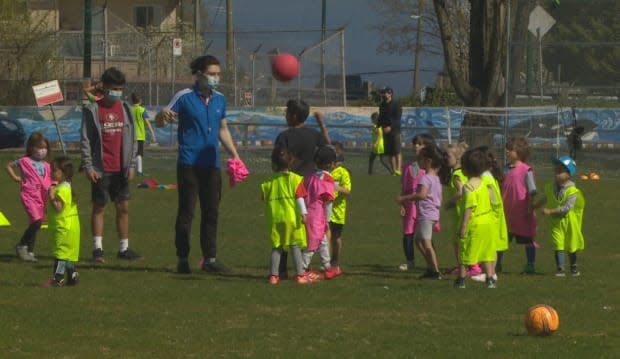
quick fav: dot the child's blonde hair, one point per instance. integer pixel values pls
(457, 150)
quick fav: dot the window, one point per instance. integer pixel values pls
(145, 16)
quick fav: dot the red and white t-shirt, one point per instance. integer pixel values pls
(112, 120)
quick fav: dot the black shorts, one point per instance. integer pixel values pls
(392, 143)
(140, 148)
(336, 229)
(520, 239)
(114, 185)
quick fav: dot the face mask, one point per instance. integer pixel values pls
(211, 82)
(39, 153)
(115, 95)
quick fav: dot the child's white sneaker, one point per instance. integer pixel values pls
(22, 252)
(406, 266)
(30, 257)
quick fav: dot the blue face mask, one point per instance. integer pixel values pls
(115, 95)
(211, 82)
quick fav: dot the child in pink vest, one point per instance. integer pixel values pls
(518, 193)
(33, 174)
(320, 189)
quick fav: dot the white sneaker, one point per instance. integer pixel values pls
(482, 277)
(22, 252)
(479, 278)
(405, 266)
(30, 257)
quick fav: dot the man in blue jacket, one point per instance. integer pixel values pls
(200, 113)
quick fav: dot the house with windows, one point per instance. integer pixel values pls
(135, 36)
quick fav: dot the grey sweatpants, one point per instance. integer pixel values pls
(323, 254)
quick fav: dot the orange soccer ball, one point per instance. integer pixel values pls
(542, 320)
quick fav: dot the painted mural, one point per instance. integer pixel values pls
(352, 125)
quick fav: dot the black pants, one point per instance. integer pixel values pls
(30, 235)
(371, 162)
(204, 184)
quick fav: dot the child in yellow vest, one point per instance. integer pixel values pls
(64, 225)
(142, 122)
(285, 213)
(377, 144)
(479, 220)
(563, 205)
(342, 190)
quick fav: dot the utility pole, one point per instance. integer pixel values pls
(230, 43)
(196, 25)
(323, 26)
(88, 29)
(418, 49)
(105, 35)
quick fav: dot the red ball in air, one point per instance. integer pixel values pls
(284, 67)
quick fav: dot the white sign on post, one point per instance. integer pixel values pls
(47, 93)
(540, 20)
(539, 24)
(177, 47)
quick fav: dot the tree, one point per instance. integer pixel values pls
(473, 37)
(581, 42)
(482, 82)
(26, 50)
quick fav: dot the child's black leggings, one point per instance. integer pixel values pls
(30, 235)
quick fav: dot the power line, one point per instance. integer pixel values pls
(391, 72)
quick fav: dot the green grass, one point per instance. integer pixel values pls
(145, 310)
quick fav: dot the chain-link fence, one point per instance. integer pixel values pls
(153, 70)
(548, 129)
(570, 53)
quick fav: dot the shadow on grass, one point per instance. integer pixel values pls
(379, 270)
(8, 258)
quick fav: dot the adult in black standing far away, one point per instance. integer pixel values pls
(390, 113)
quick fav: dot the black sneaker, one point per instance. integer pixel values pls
(98, 255)
(183, 266)
(459, 283)
(429, 274)
(129, 255)
(215, 267)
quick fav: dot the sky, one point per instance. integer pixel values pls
(360, 42)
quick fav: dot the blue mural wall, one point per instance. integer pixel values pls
(256, 126)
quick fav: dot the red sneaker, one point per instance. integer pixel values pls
(274, 279)
(313, 275)
(302, 279)
(332, 272)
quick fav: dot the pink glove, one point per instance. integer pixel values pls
(237, 171)
(437, 227)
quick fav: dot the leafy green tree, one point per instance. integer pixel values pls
(473, 35)
(27, 49)
(585, 42)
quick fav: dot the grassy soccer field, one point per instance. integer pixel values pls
(145, 310)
